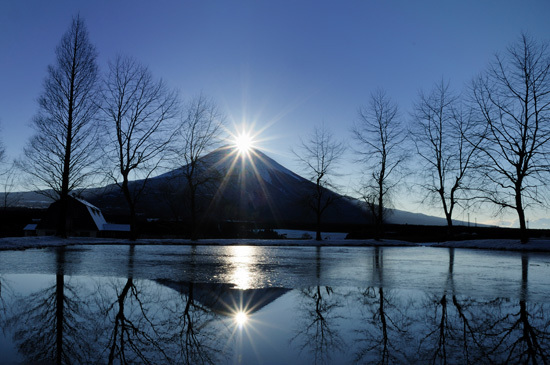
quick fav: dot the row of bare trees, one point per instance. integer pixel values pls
(119, 126)
(489, 144)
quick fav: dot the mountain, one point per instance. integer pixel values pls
(252, 188)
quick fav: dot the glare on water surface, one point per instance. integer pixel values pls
(242, 262)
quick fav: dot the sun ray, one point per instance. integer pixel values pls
(241, 158)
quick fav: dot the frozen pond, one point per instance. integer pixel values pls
(273, 305)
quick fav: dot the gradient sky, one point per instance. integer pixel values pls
(280, 66)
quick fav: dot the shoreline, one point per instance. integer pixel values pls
(24, 243)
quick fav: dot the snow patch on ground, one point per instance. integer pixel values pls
(21, 243)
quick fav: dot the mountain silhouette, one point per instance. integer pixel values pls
(250, 187)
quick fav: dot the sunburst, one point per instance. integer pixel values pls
(244, 143)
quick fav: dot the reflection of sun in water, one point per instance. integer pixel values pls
(241, 275)
(241, 318)
(242, 272)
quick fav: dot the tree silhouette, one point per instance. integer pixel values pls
(513, 101)
(446, 143)
(137, 111)
(379, 137)
(198, 133)
(319, 155)
(61, 152)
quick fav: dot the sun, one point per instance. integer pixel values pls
(244, 143)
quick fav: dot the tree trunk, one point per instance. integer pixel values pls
(64, 196)
(521, 217)
(380, 217)
(62, 223)
(61, 229)
(132, 207)
(522, 226)
(449, 219)
(318, 233)
(318, 208)
(193, 202)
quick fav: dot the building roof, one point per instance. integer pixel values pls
(95, 213)
(116, 227)
(30, 227)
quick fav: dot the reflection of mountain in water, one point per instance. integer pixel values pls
(224, 298)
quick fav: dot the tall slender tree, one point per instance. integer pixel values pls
(137, 111)
(379, 136)
(61, 151)
(513, 101)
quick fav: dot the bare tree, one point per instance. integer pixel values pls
(137, 111)
(379, 136)
(9, 182)
(60, 153)
(197, 134)
(319, 155)
(513, 100)
(8, 178)
(446, 143)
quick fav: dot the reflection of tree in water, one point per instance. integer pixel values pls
(192, 333)
(386, 336)
(317, 322)
(196, 340)
(466, 330)
(134, 336)
(149, 324)
(316, 327)
(3, 306)
(456, 325)
(135, 327)
(49, 325)
(520, 335)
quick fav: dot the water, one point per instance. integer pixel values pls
(273, 305)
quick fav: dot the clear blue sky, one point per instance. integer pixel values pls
(284, 65)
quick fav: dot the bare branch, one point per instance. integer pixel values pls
(379, 136)
(447, 144)
(137, 111)
(198, 133)
(319, 155)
